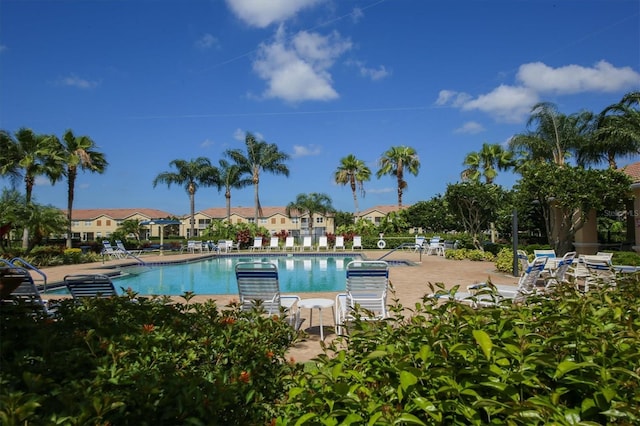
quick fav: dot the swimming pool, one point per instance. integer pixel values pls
(297, 274)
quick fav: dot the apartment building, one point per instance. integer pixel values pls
(95, 224)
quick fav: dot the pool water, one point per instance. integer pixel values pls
(297, 274)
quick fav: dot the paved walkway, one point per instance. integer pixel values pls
(410, 284)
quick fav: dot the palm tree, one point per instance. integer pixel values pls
(191, 174)
(616, 132)
(354, 172)
(80, 153)
(309, 205)
(487, 162)
(260, 156)
(231, 176)
(30, 155)
(555, 136)
(395, 161)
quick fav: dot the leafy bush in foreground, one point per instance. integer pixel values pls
(121, 361)
(566, 359)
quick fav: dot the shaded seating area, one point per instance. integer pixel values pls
(259, 286)
(367, 283)
(89, 285)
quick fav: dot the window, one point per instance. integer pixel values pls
(75, 223)
(88, 223)
(108, 222)
(319, 219)
(294, 220)
(282, 220)
(263, 221)
(98, 223)
(273, 220)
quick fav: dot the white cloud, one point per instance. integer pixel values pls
(3, 48)
(207, 143)
(261, 13)
(207, 41)
(296, 69)
(381, 190)
(75, 81)
(305, 151)
(506, 103)
(375, 74)
(357, 14)
(512, 103)
(456, 99)
(571, 79)
(240, 135)
(470, 128)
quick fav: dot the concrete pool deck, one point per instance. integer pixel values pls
(410, 284)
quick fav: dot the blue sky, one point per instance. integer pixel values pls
(151, 81)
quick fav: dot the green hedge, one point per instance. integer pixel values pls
(565, 359)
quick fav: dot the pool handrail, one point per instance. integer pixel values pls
(28, 266)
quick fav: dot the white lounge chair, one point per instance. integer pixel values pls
(366, 291)
(484, 294)
(435, 247)
(127, 253)
(289, 243)
(306, 244)
(274, 243)
(558, 272)
(323, 243)
(109, 250)
(545, 253)
(339, 244)
(419, 243)
(600, 272)
(258, 284)
(357, 242)
(257, 244)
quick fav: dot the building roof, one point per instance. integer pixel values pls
(246, 212)
(385, 209)
(118, 214)
(633, 171)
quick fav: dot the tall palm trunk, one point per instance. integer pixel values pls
(71, 182)
(227, 196)
(355, 195)
(192, 208)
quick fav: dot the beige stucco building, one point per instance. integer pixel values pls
(96, 224)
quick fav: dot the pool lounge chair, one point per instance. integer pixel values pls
(258, 284)
(27, 291)
(274, 243)
(109, 250)
(257, 244)
(357, 242)
(323, 243)
(127, 253)
(485, 294)
(306, 244)
(366, 292)
(90, 285)
(339, 244)
(289, 243)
